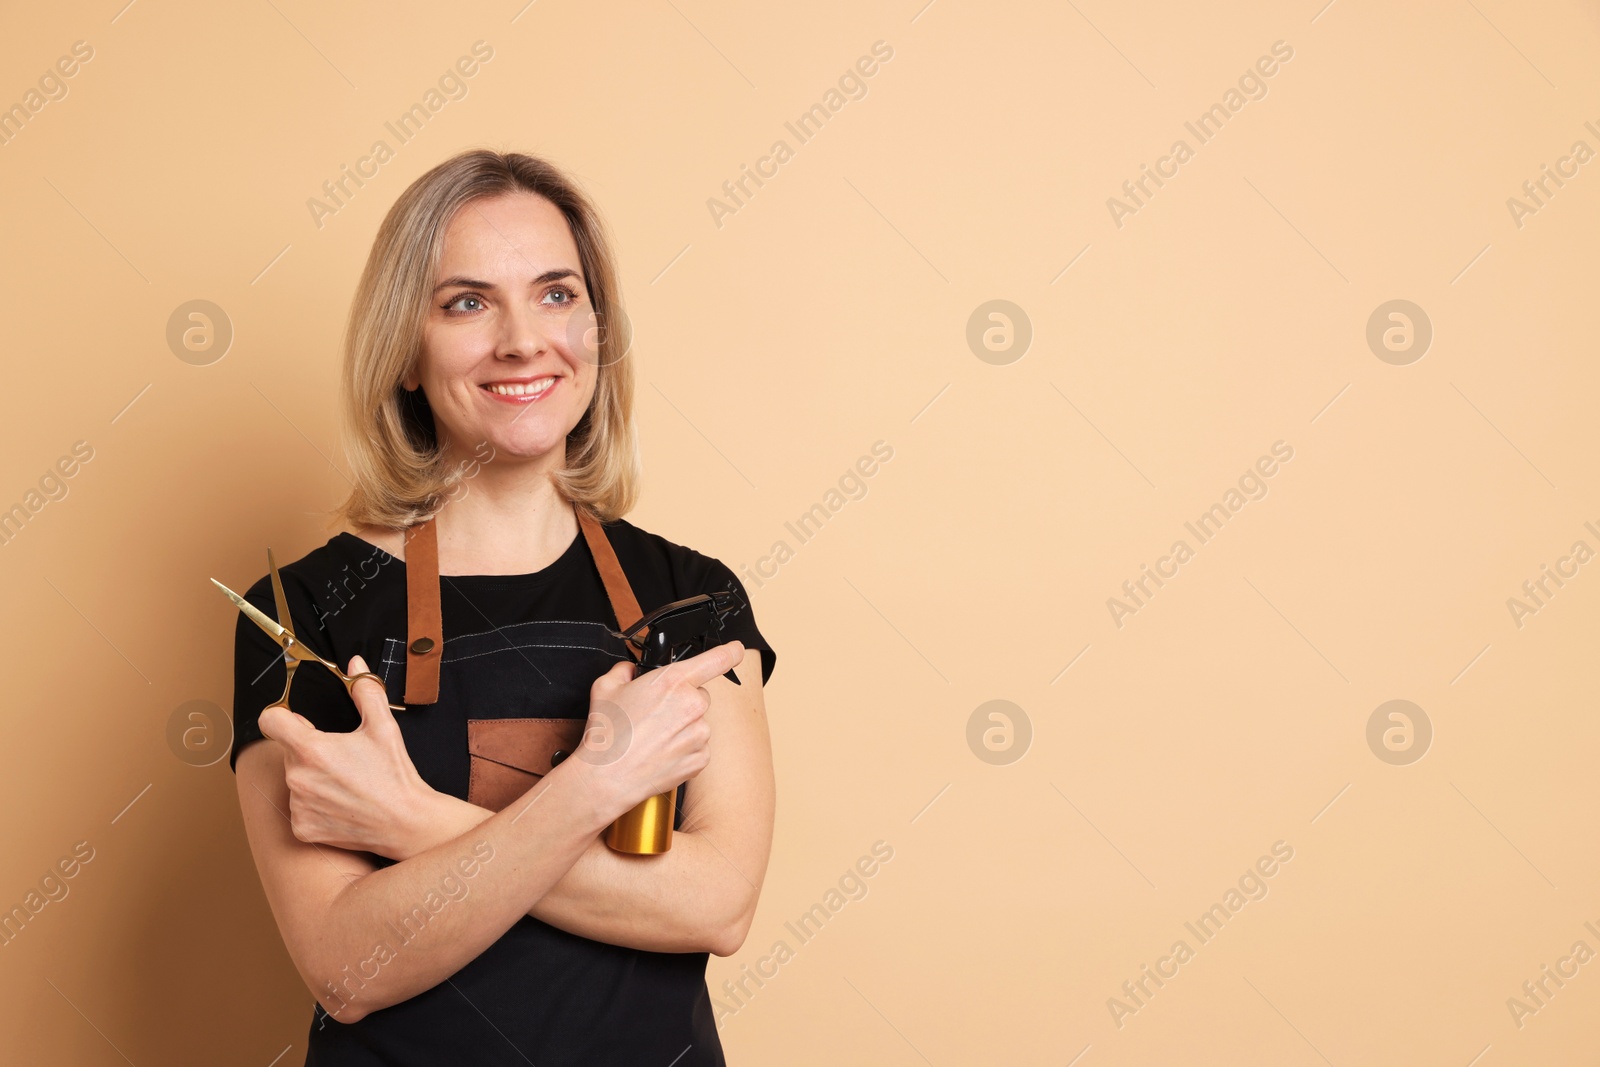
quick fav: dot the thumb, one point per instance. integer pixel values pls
(620, 674)
(289, 728)
(372, 700)
(612, 682)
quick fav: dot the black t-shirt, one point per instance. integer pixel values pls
(538, 640)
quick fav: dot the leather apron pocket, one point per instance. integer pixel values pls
(509, 756)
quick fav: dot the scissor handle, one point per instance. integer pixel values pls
(300, 653)
(350, 685)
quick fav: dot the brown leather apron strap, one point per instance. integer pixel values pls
(425, 625)
(623, 604)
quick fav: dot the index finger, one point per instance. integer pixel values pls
(700, 669)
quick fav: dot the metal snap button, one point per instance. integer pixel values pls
(557, 756)
(422, 646)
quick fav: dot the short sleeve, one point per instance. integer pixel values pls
(259, 670)
(740, 623)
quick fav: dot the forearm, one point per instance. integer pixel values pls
(688, 899)
(685, 900)
(431, 932)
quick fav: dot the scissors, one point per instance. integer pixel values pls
(293, 647)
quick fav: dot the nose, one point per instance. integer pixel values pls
(524, 332)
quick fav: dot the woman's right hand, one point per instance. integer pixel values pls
(648, 733)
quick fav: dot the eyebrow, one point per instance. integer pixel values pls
(460, 281)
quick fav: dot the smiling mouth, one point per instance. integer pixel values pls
(520, 390)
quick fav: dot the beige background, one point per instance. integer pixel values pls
(827, 313)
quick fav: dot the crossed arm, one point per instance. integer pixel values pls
(700, 895)
(337, 912)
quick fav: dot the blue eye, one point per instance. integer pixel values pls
(447, 307)
(569, 296)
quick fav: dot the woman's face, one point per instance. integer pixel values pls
(508, 354)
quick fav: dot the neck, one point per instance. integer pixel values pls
(504, 517)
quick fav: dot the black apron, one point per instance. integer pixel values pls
(626, 993)
(425, 639)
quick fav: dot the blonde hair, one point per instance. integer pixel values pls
(401, 476)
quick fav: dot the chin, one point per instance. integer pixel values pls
(525, 448)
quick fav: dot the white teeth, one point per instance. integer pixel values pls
(518, 389)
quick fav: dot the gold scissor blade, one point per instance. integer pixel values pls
(284, 619)
(255, 615)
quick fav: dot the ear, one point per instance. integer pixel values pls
(413, 377)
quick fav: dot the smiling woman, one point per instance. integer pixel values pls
(469, 286)
(474, 333)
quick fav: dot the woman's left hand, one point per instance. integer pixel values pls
(356, 790)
